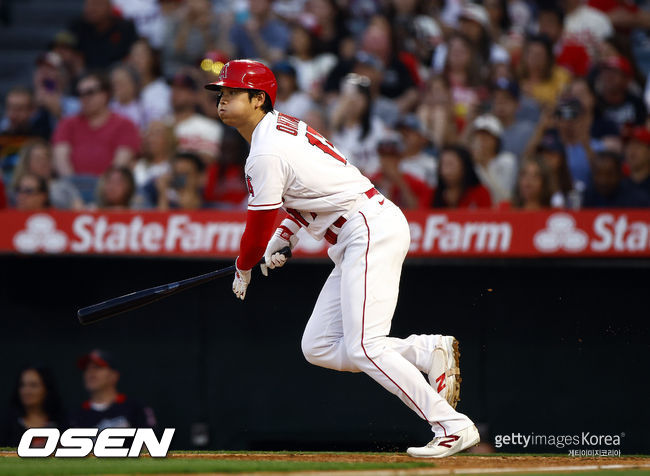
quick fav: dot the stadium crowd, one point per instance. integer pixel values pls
(442, 103)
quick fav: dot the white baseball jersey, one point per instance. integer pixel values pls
(292, 165)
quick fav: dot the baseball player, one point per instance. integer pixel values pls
(290, 165)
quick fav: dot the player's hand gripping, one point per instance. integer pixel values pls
(285, 235)
(240, 283)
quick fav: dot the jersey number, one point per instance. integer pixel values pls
(323, 144)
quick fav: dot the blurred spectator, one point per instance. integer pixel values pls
(104, 38)
(496, 168)
(182, 188)
(602, 129)
(225, 186)
(125, 85)
(116, 189)
(398, 80)
(463, 73)
(539, 76)
(474, 24)
(106, 407)
(408, 171)
(290, 99)
(458, 185)
(3, 195)
(330, 24)
(436, 111)
(505, 105)
(52, 89)
(193, 31)
(551, 151)
(66, 45)
(356, 132)
(31, 193)
(259, 34)
(574, 127)
(155, 93)
(91, 141)
(36, 159)
(147, 17)
(158, 148)
(533, 190)
(569, 53)
(586, 25)
(610, 188)
(637, 158)
(615, 100)
(35, 403)
(21, 123)
(311, 67)
(194, 132)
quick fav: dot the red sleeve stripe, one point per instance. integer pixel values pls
(294, 220)
(267, 205)
(296, 214)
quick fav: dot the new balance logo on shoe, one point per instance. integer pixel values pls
(441, 382)
(448, 441)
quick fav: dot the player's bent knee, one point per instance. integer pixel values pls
(361, 353)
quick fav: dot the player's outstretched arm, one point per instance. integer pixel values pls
(259, 227)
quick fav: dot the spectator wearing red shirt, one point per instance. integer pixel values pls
(408, 170)
(458, 184)
(92, 141)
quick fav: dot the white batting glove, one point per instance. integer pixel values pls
(285, 235)
(240, 283)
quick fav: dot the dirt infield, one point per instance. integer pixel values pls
(451, 463)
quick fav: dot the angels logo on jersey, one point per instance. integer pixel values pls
(249, 184)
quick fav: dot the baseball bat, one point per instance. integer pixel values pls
(113, 307)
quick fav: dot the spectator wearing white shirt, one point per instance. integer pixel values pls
(290, 100)
(496, 169)
(125, 85)
(586, 25)
(194, 132)
(155, 94)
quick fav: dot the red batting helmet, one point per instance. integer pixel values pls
(246, 74)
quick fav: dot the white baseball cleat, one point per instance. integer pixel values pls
(444, 374)
(442, 446)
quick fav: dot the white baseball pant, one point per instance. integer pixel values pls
(350, 322)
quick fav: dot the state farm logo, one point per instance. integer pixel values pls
(560, 234)
(40, 234)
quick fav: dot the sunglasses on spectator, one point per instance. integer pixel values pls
(28, 190)
(89, 92)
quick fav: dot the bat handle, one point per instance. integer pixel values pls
(286, 251)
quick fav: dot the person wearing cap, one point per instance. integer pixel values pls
(517, 131)
(65, 45)
(474, 22)
(496, 168)
(106, 407)
(610, 188)
(616, 101)
(52, 87)
(90, 142)
(408, 170)
(551, 152)
(290, 99)
(637, 158)
(194, 132)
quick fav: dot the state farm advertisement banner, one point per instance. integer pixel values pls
(216, 234)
